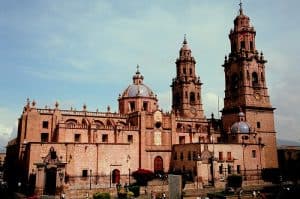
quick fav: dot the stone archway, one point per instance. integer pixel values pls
(50, 174)
(158, 165)
(50, 181)
(116, 176)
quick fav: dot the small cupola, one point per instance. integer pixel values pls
(185, 50)
(241, 126)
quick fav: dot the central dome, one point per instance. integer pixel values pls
(138, 88)
(135, 90)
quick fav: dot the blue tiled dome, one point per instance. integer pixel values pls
(240, 127)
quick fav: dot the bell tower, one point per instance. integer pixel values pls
(245, 86)
(186, 86)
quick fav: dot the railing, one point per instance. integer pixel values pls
(253, 174)
(180, 119)
(83, 113)
(94, 181)
(158, 148)
(102, 127)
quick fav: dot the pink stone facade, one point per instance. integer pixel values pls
(73, 149)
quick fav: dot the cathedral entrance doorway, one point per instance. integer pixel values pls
(158, 165)
(48, 173)
(50, 183)
(116, 176)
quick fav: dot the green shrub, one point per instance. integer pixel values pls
(142, 176)
(234, 181)
(130, 194)
(101, 196)
(135, 189)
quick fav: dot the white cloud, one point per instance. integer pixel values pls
(5, 130)
(8, 126)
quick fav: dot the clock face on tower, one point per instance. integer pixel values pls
(257, 96)
(193, 111)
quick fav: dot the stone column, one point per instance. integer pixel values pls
(40, 178)
(60, 176)
(199, 174)
(216, 173)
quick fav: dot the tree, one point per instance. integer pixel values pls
(142, 176)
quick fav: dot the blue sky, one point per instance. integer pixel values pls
(77, 52)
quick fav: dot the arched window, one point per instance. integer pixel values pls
(175, 156)
(108, 123)
(243, 45)
(234, 81)
(254, 79)
(179, 125)
(158, 165)
(189, 155)
(84, 123)
(116, 176)
(71, 123)
(233, 46)
(132, 106)
(192, 97)
(176, 100)
(251, 45)
(99, 124)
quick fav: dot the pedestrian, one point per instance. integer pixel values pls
(240, 194)
(153, 196)
(19, 186)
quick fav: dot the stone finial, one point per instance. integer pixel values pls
(261, 55)
(56, 104)
(33, 103)
(184, 39)
(137, 69)
(28, 103)
(241, 7)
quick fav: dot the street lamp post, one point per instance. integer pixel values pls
(90, 179)
(129, 176)
(212, 160)
(128, 162)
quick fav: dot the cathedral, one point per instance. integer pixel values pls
(78, 149)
